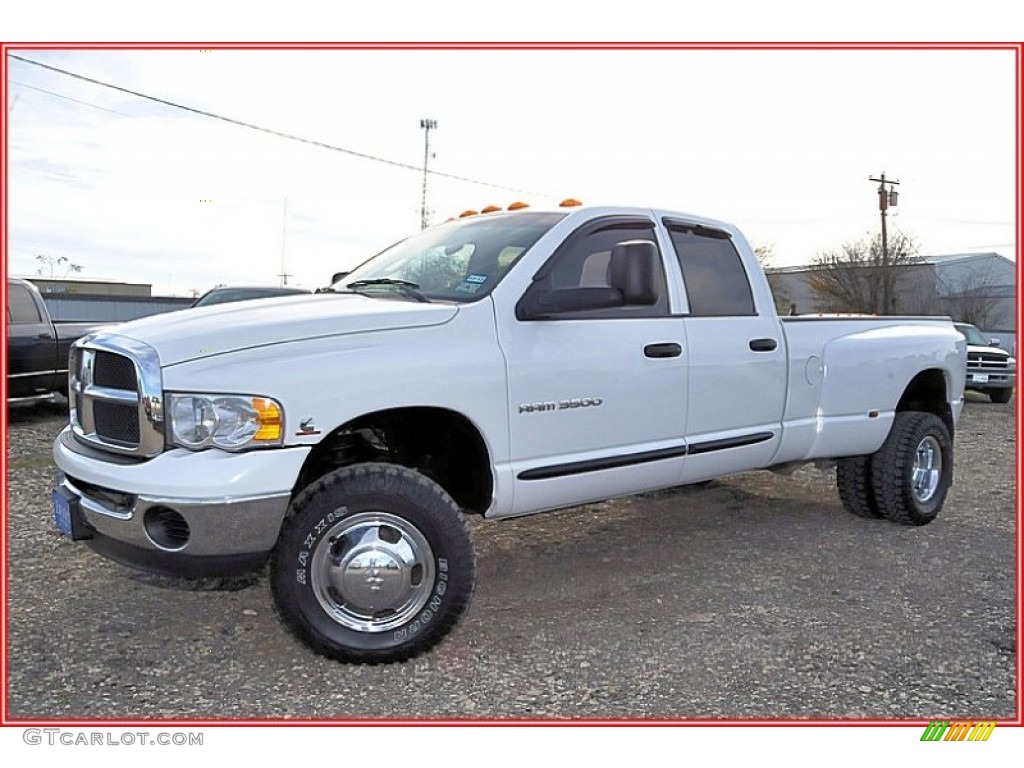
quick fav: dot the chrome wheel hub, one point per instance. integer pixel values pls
(372, 572)
(927, 469)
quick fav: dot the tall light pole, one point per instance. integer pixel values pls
(284, 275)
(427, 125)
(887, 196)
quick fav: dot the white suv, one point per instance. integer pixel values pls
(990, 370)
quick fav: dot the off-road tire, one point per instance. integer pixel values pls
(853, 479)
(374, 564)
(912, 472)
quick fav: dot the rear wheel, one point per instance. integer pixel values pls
(374, 564)
(853, 479)
(912, 472)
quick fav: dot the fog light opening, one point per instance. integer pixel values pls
(166, 528)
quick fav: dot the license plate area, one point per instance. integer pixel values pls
(67, 515)
(980, 378)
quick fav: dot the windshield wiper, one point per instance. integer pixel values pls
(404, 287)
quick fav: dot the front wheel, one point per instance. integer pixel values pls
(1000, 395)
(912, 472)
(374, 564)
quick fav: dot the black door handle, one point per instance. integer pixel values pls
(763, 345)
(670, 349)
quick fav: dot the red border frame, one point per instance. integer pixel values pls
(6, 720)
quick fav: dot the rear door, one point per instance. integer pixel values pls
(737, 357)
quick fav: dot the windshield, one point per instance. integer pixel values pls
(973, 334)
(459, 261)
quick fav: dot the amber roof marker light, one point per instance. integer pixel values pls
(518, 205)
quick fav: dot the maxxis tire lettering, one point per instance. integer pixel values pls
(301, 573)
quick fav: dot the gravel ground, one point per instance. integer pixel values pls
(755, 596)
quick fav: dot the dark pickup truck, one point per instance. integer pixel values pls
(37, 348)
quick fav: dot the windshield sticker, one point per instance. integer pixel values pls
(467, 287)
(478, 279)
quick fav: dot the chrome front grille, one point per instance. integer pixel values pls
(116, 396)
(982, 362)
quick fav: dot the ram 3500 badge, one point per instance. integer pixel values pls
(496, 365)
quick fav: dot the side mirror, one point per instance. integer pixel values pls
(338, 276)
(633, 270)
(994, 342)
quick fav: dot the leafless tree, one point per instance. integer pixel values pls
(859, 278)
(971, 299)
(51, 263)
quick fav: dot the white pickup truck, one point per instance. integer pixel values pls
(500, 364)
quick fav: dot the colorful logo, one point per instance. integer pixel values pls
(943, 730)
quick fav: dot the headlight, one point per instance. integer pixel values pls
(231, 422)
(1011, 363)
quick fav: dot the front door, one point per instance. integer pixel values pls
(600, 393)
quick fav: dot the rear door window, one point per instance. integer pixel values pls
(716, 282)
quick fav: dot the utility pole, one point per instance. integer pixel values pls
(887, 196)
(427, 125)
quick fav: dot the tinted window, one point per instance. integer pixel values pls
(20, 306)
(716, 283)
(583, 262)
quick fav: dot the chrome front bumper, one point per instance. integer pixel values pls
(233, 504)
(217, 527)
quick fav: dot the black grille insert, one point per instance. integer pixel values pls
(114, 371)
(116, 422)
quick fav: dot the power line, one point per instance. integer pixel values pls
(68, 98)
(958, 249)
(272, 131)
(960, 221)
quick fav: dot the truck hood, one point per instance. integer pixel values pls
(215, 330)
(997, 351)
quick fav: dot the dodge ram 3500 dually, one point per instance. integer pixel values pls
(499, 365)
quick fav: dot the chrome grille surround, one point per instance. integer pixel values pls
(143, 403)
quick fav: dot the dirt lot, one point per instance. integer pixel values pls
(755, 596)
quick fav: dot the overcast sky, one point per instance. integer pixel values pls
(780, 142)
